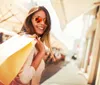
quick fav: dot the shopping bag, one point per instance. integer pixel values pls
(13, 54)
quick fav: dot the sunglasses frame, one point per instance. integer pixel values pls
(39, 19)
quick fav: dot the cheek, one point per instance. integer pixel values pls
(33, 23)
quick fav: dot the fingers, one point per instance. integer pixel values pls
(38, 40)
(33, 36)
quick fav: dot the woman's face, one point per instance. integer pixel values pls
(39, 22)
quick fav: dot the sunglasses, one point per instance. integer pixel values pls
(40, 19)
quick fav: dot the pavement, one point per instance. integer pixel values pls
(63, 73)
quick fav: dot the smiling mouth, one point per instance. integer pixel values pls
(41, 28)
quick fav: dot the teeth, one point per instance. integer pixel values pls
(41, 28)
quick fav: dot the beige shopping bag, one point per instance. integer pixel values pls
(13, 54)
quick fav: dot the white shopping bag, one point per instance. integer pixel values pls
(13, 54)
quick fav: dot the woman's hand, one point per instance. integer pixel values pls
(39, 46)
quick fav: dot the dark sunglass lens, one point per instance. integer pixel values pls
(38, 19)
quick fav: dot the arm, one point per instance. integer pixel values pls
(38, 59)
(41, 53)
(27, 73)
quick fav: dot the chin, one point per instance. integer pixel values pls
(39, 33)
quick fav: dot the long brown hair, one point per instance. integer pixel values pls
(28, 27)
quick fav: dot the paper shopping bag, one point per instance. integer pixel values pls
(13, 54)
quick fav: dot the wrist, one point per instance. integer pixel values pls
(42, 52)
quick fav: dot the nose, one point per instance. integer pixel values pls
(43, 24)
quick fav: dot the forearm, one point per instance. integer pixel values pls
(38, 59)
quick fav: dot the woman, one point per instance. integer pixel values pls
(37, 24)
